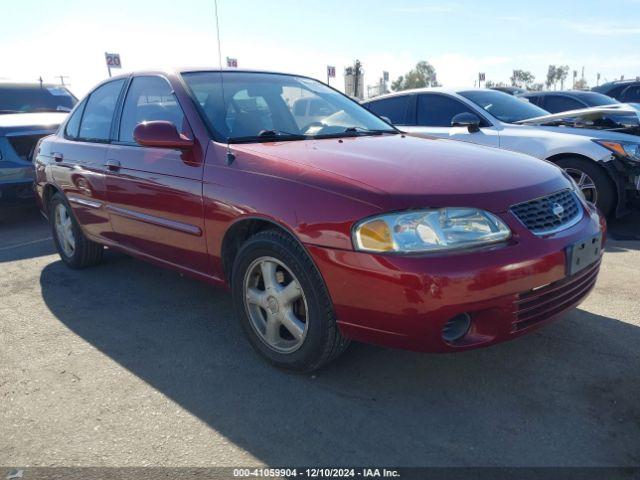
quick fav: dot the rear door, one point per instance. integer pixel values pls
(434, 114)
(79, 155)
(155, 194)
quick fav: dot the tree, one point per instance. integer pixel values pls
(423, 75)
(536, 87)
(493, 84)
(552, 76)
(561, 75)
(581, 85)
(522, 78)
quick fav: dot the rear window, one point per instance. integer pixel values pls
(29, 99)
(594, 99)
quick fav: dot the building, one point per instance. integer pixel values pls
(354, 81)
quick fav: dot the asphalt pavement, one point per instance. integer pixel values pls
(127, 364)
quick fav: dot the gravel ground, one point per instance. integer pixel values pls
(127, 364)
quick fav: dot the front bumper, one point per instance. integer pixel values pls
(405, 301)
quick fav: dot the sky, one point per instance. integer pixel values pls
(460, 38)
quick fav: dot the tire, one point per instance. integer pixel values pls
(318, 340)
(605, 191)
(83, 253)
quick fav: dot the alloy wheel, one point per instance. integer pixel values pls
(64, 230)
(585, 184)
(276, 304)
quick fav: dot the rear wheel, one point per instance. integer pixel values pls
(76, 250)
(283, 305)
(593, 181)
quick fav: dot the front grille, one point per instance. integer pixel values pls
(24, 145)
(539, 216)
(542, 303)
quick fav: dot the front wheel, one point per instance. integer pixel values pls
(75, 250)
(283, 305)
(593, 181)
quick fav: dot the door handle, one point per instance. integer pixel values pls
(113, 165)
(57, 157)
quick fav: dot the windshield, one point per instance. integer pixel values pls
(505, 108)
(594, 99)
(29, 99)
(258, 107)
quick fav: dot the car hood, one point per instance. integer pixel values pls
(397, 171)
(621, 118)
(16, 122)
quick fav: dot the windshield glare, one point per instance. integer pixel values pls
(29, 99)
(504, 107)
(256, 106)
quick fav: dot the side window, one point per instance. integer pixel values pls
(394, 108)
(73, 125)
(148, 99)
(631, 94)
(98, 113)
(559, 103)
(536, 100)
(438, 110)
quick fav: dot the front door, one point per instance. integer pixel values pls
(155, 194)
(434, 113)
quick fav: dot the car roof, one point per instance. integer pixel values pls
(181, 70)
(444, 90)
(29, 85)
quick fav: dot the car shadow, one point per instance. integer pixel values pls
(24, 233)
(625, 228)
(567, 395)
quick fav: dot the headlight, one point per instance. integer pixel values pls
(429, 230)
(628, 150)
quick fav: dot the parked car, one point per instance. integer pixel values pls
(341, 228)
(627, 91)
(20, 130)
(606, 165)
(563, 101)
(515, 91)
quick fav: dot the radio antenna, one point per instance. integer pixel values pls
(230, 155)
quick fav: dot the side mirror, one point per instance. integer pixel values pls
(386, 119)
(162, 134)
(465, 119)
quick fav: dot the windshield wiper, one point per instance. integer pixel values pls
(367, 131)
(269, 136)
(280, 133)
(10, 111)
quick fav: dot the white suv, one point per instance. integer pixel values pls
(604, 164)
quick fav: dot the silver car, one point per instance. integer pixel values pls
(604, 164)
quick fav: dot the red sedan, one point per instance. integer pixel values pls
(327, 223)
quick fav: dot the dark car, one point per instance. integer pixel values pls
(627, 91)
(566, 100)
(28, 112)
(325, 230)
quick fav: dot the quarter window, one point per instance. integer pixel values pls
(394, 108)
(73, 125)
(438, 110)
(98, 114)
(149, 99)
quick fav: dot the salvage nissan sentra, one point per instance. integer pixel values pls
(326, 223)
